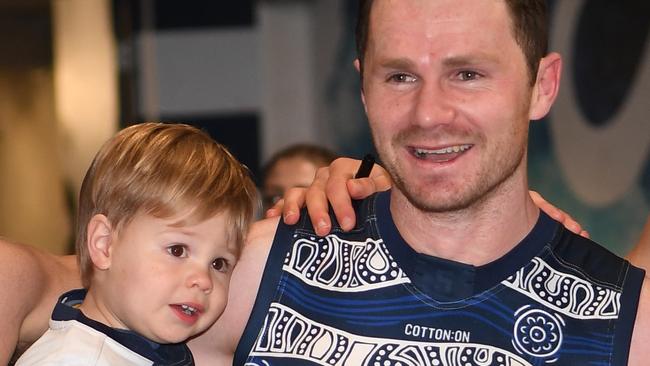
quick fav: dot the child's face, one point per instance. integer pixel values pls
(168, 282)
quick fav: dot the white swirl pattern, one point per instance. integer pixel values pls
(288, 334)
(565, 293)
(344, 266)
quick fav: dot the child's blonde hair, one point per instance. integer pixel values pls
(163, 170)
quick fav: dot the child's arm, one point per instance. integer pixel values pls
(30, 282)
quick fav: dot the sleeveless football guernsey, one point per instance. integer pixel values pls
(366, 298)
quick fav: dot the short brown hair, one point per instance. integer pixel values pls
(318, 155)
(529, 27)
(163, 169)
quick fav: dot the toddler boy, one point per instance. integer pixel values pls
(163, 211)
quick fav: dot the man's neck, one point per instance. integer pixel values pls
(476, 235)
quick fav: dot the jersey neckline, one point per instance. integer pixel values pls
(448, 281)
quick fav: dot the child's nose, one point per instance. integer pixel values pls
(201, 279)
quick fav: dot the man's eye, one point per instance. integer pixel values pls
(401, 78)
(177, 251)
(468, 75)
(220, 264)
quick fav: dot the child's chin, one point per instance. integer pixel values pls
(169, 339)
(174, 334)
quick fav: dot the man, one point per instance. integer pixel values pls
(456, 265)
(434, 73)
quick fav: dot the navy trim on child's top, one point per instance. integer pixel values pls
(177, 354)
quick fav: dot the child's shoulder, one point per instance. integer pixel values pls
(72, 343)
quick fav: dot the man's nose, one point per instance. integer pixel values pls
(432, 105)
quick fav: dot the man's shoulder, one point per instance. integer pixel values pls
(258, 244)
(593, 259)
(603, 275)
(262, 232)
(218, 343)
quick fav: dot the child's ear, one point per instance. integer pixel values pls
(99, 240)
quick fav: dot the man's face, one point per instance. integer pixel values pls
(447, 93)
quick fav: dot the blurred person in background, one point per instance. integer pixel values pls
(293, 166)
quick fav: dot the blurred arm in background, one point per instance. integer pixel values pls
(31, 280)
(640, 254)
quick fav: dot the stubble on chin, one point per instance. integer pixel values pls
(437, 196)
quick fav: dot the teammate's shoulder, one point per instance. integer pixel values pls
(25, 272)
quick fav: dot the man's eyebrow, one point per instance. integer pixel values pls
(452, 61)
(458, 61)
(397, 63)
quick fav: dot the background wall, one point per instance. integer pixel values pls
(33, 204)
(592, 155)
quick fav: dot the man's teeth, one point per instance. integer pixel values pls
(188, 309)
(447, 150)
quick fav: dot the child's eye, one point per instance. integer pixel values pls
(220, 264)
(177, 251)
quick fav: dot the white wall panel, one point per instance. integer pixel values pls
(201, 71)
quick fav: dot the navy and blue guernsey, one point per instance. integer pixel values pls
(366, 298)
(73, 339)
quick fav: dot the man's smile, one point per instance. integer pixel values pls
(441, 154)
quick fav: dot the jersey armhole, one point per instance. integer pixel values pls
(266, 292)
(629, 304)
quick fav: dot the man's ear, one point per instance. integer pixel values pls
(99, 241)
(546, 86)
(357, 65)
